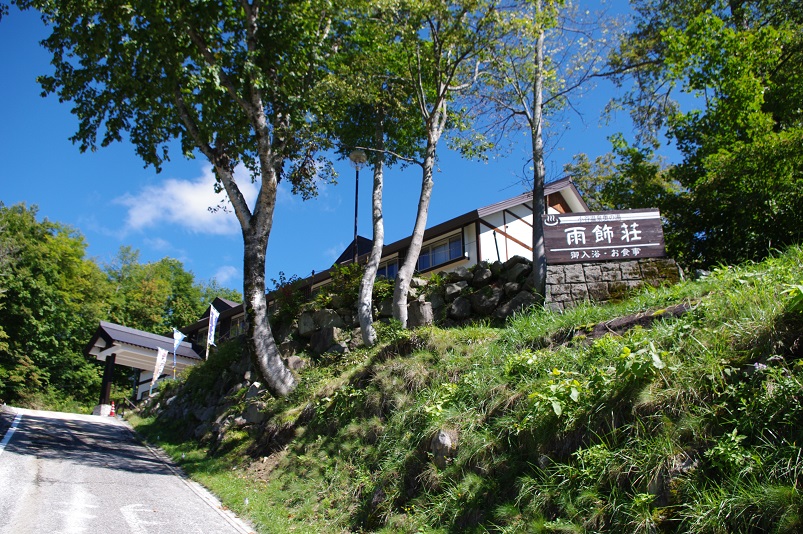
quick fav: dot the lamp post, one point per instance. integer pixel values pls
(358, 159)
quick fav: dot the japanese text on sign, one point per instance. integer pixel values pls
(620, 235)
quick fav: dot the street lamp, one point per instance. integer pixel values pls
(358, 159)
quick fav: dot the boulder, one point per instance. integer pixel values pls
(324, 338)
(416, 281)
(419, 314)
(294, 363)
(289, 348)
(452, 291)
(461, 274)
(484, 301)
(437, 301)
(254, 413)
(460, 309)
(254, 390)
(517, 272)
(482, 277)
(386, 308)
(306, 324)
(511, 288)
(328, 318)
(443, 447)
(522, 300)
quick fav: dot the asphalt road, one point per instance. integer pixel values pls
(69, 473)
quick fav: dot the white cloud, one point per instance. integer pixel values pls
(186, 203)
(226, 274)
(157, 243)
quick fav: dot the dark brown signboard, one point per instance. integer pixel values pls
(603, 236)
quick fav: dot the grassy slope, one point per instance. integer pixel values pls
(691, 425)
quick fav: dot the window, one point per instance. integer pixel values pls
(440, 252)
(388, 269)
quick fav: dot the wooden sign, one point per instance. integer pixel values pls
(603, 236)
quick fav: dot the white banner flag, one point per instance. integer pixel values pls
(213, 315)
(161, 359)
(178, 337)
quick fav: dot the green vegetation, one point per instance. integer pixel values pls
(52, 298)
(691, 424)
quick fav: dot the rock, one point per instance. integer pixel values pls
(443, 447)
(517, 272)
(574, 273)
(482, 277)
(294, 363)
(202, 429)
(205, 414)
(437, 301)
(254, 390)
(289, 348)
(419, 314)
(254, 413)
(515, 260)
(630, 270)
(484, 301)
(328, 318)
(337, 348)
(247, 376)
(593, 273)
(460, 309)
(306, 324)
(452, 291)
(522, 301)
(496, 268)
(556, 276)
(511, 288)
(324, 338)
(461, 274)
(416, 281)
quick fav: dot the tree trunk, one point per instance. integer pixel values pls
(256, 229)
(261, 344)
(538, 277)
(365, 302)
(406, 271)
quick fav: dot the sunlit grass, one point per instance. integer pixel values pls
(692, 424)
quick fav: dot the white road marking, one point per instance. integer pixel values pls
(77, 510)
(10, 432)
(136, 524)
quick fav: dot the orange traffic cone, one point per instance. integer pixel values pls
(111, 413)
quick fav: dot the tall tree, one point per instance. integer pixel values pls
(739, 65)
(155, 296)
(550, 52)
(53, 299)
(443, 43)
(371, 99)
(230, 80)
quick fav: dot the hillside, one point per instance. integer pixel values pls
(677, 410)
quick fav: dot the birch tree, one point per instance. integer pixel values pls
(230, 81)
(444, 43)
(373, 115)
(550, 54)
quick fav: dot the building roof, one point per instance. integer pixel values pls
(109, 335)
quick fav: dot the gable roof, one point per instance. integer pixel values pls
(135, 348)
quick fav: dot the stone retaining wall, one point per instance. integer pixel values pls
(492, 291)
(569, 285)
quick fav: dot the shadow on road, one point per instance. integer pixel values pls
(100, 443)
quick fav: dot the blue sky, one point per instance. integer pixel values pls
(110, 198)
